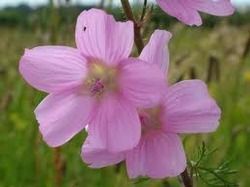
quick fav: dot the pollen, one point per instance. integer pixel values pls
(101, 78)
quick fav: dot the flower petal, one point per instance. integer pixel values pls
(115, 124)
(63, 115)
(143, 84)
(98, 158)
(158, 155)
(214, 7)
(99, 36)
(181, 10)
(53, 68)
(156, 51)
(190, 109)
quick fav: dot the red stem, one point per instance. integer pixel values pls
(58, 167)
(137, 28)
(186, 179)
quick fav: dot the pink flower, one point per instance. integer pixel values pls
(96, 84)
(187, 11)
(186, 107)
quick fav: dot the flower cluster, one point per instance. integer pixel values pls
(130, 112)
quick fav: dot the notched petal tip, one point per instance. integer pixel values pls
(156, 51)
(26, 50)
(98, 35)
(166, 35)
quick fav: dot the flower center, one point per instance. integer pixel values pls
(150, 119)
(100, 78)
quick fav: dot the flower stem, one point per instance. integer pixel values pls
(137, 28)
(57, 156)
(186, 179)
(58, 167)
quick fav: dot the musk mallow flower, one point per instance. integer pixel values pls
(185, 107)
(187, 11)
(95, 84)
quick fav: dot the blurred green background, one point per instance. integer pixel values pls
(217, 52)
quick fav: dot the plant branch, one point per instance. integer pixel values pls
(144, 10)
(186, 179)
(137, 29)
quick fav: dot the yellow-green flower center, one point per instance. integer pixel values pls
(101, 78)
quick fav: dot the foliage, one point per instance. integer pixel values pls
(212, 176)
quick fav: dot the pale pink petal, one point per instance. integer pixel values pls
(214, 7)
(53, 68)
(99, 36)
(98, 158)
(63, 115)
(190, 109)
(158, 155)
(115, 124)
(181, 10)
(156, 51)
(142, 83)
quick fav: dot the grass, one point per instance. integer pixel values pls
(26, 161)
